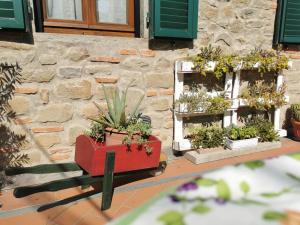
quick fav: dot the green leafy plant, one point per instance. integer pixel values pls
(217, 104)
(194, 101)
(96, 132)
(295, 109)
(224, 63)
(116, 117)
(207, 104)
(265, 61)
(264, 96)
(206, 136)
(241, 133)
(265, 129)
(262, 60)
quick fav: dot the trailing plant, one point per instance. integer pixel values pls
(223, 63)
(295, 108)
(96, 132)
(217, 104)
(10, 142)
(194, 101)
(262, 60)
(241, 133)
(265, 129)
(200, 101)
(264, 96)
(143, 129)
(203, 136)
(265, 61)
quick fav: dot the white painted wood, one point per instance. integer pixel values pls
(277, 110)
(241, 144)
(235, 95)
(228, 94)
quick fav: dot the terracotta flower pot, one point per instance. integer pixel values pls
(296, 129)
(90, 155)
(115, 137)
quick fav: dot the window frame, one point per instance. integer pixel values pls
(89, 23)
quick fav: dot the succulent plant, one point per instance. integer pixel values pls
(295, 108)
(116, 116)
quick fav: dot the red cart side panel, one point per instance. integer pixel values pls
(90, 155)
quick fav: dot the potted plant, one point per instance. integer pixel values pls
(129, 135)
(206, 136)
(295, 108)
(241, 137)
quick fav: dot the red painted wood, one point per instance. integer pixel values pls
(296, 129)
(90, 155)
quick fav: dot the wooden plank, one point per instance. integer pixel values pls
(42, 169)
(108, 180)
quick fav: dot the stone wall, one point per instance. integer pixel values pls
(62, 74)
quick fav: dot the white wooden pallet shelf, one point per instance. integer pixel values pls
(231, 89)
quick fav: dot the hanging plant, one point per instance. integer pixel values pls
(201, 102)
(265, 61)
(212, 60)
(264, 96)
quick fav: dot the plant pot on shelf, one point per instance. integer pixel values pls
(90, 155)
(241, 144)
(296, 128)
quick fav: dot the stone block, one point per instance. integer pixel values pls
(19, 104)
(89, 111)
(44, 96)
(37, 75)
(69, 72)
(74, 89)
(74, 132)
(159, 80)
(152, 92)
(98, 69)
(60, 112)
(77, 53)
(160, 104)
(22, 120)
(47, 140)
(47, 59)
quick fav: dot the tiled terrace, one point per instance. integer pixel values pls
(85, 211)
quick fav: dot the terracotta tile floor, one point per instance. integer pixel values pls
(86, 211)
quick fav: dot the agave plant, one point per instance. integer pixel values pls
(116, 116)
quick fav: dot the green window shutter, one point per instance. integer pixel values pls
(288, 22)
(12, 14)
(173, 18)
